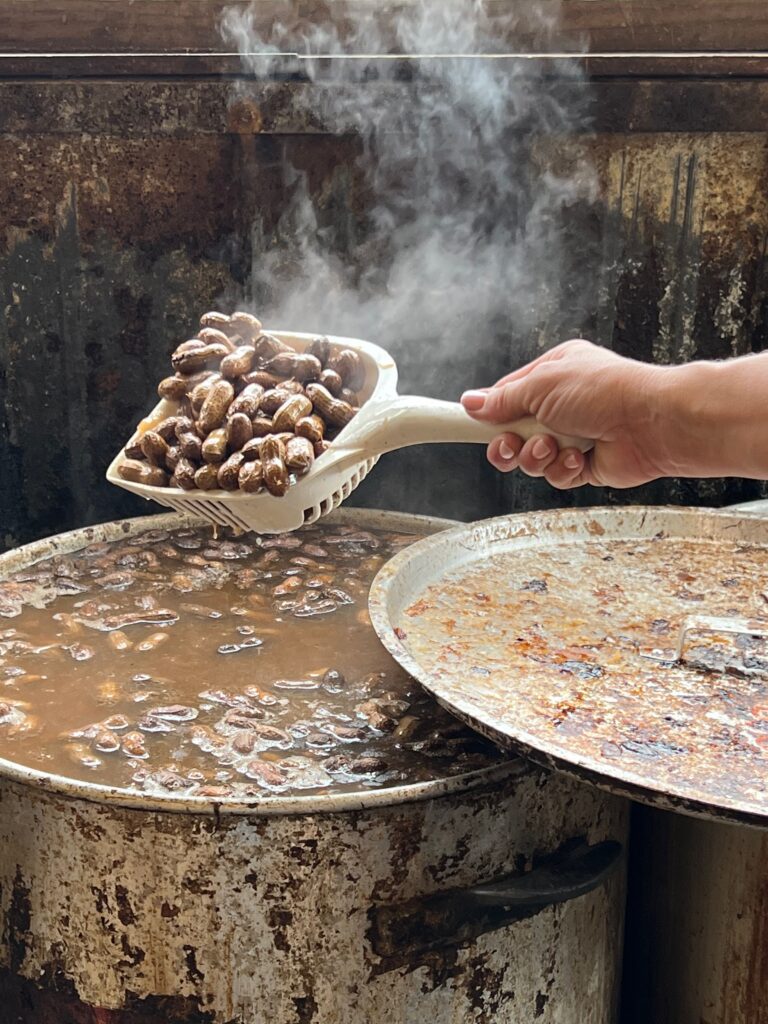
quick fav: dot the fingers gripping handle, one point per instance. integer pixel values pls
(409, 420)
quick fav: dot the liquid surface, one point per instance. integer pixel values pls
(571, 649)
(173, 662)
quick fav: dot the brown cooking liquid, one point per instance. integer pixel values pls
(173, 661)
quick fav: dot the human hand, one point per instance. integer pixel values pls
(586, 391)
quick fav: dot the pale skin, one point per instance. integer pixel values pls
(703, 419)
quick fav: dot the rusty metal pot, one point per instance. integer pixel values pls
(393, 905)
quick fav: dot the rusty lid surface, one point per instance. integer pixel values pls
(626, 646)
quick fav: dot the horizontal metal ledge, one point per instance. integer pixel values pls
(143, 108)
(192, 63)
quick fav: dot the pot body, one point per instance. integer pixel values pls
(697, 922)
(161, 917)
(116, 909)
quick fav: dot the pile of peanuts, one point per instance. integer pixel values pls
(253, 414)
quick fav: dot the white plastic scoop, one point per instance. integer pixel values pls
(386, 421)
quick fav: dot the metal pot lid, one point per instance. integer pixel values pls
(628, 647)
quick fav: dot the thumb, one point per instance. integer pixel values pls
(497, 405)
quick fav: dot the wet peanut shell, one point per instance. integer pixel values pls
(199, 358)
(172, 458)
(320, 348)
(239, 430)
(214, 447)
(333, 410)
(133, 449)
(184, 474)
(251, 450)
(173, 388)
(220, 321)
(299, 455)
(251, 477)
(238, 362)
(207, 477)
(142, 473)
(349, 366)
(246, 325)
(262, 426)
(267, 345)
(272, 400)
(292, 409)
(212, 335)
(273, 461)
(154, 448)
(200, 392)
(247, 401)
(214, 408)
(229, 470)
(266, 380)
(191, 446)
(312, 427)
(300, 365)
(331, 380)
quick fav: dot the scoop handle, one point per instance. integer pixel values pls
(410, 419)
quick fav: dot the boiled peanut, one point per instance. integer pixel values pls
(331, 380)
(198, 358)
(321, 447)
(346, 395)
(229, 470)
(167, 428)
(300, 365)
(299, 455)
(247, 401)
(207, 477)
(191, 446)
(266, 380)
(311, 427)
(292, 409)
(284, 436)
(239, 431)
(272, 400)
(214, 447)
(218, 320)
(172, 457)
(173, 388)
(182, 425)
(333, 410)
(246, 325)
(211, 335)
(251, 477)
(252, 449)
(320, 348)
(154, 448)
(184, 474)
(273, 461)
(214, 408)
(200, 392)
(238, 362)
(133, 449)
(142, 473)
(349, 366)
(133, 745)
(267, 345)
(262, 425)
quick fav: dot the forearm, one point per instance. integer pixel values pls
(712, 418)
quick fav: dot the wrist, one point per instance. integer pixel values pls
(705, 420)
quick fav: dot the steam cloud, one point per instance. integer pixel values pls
(465, 228)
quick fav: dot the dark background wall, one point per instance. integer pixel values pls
(134, 192)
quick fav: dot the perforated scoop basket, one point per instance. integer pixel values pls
(386, 421)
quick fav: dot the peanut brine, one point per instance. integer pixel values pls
(237, 666)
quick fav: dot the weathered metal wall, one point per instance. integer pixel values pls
(128, 206)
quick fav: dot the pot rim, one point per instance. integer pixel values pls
(66, 543)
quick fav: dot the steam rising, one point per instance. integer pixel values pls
(464, 228)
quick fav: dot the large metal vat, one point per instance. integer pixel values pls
(119, 908)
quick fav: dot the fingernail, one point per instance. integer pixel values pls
(505, 451)
(473, 400)
(540, 450)
(572, 461)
